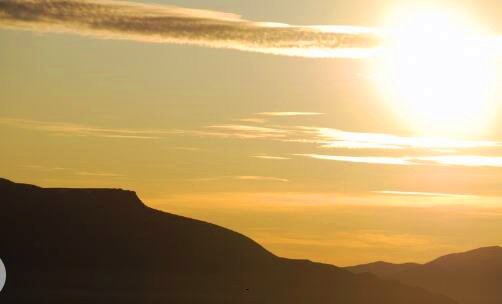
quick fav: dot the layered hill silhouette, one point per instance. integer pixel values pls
(106, 246)
(382, 269)
(473, 277)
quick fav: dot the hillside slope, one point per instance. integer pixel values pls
(472, 277)
(106, 246)
(382, 269)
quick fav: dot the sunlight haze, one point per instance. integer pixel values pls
(338, 131)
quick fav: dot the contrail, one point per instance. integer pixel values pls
(108, 19)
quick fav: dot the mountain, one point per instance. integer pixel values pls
(106, 246)
(382, 269)
(472, 277)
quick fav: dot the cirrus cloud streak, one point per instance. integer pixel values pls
(110, 19)
(442, 160)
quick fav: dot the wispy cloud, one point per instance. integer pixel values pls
(289, 113)
(70, 171)
(168, 24)
(414, 150)
(189, 149)
(463, 160)
(269, 157)
(252, 120)
(44, 168)
(324, 137)
(244, 131)
(340, 139)
(99, 174)
(261, 178)
(72, 129)
(361, 159)
(443, 160)
(241, 178)
(371, 239)
(359, 239)
(426, 194)
(293, 202)
(333, 138)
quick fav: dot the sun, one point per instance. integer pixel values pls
(437, 69)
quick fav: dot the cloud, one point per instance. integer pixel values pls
(244, 131)
(149, 23)
(99, 174)
(72, 129)
(299, 202)
(340, 139)
(464, 160)
(44, 168)
(289, 113)
(189, 149)
(69, 171)
(442, 160)
(414, 150)
(425, 194)
(327, 226)
(269, 157)
(252, 120)
(241, 178)
(322, 137)
(333, 138)
(361, 159)
(362, 239)
(261, 178)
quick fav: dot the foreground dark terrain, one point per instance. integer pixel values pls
(106, 246)
(473, 277)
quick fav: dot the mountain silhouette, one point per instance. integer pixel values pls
(106, 246)
(472, 277)
(382, 269)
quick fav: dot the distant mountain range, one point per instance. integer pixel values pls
(473, 277)
(106, 246)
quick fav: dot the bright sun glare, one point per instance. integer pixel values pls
(438, 69)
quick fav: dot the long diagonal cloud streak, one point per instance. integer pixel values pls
(167, 24)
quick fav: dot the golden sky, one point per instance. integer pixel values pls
(395, 156)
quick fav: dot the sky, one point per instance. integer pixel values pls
(342, 160)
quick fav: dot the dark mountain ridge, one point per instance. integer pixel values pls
(472, 277)
(106, 246)
(382, 269)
